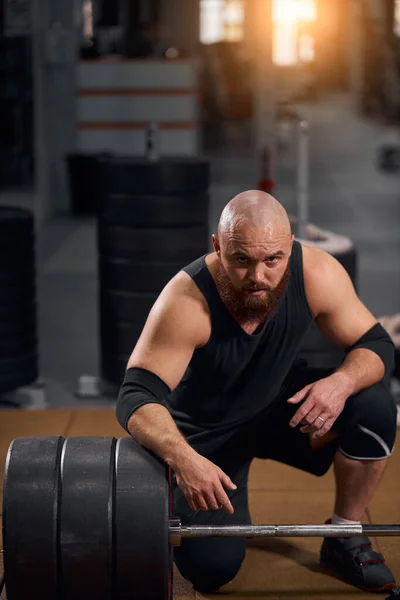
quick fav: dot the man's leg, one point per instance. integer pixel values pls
(365, 434)
(367, 431)
(356, 482)
(358, 445)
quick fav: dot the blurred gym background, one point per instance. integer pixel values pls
(127, 125)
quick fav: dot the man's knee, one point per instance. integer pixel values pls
(368, 423)
(210, 563)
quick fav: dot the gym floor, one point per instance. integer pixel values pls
(348, 196)
(276, 568)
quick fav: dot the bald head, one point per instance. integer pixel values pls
(254, 209)
(252, 251)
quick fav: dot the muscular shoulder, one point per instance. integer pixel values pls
(177, 324)
(183, 306)
(315, 262)
(325, 279)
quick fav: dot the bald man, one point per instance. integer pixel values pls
(214, 381)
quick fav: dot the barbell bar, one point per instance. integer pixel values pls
(177, 531)
(90, 518)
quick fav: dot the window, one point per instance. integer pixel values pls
(293, 41)
(221, 20)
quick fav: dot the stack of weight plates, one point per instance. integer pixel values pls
(86, 518)
(18, 345)
(152, 221)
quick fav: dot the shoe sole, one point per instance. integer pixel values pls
(385, 588)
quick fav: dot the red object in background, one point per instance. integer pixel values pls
(266, 183)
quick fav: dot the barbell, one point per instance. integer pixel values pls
(90, 518)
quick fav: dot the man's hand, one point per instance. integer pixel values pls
(324, 400)
(203, 484)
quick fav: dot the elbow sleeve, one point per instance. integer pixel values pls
(139, 387)
(379, 341)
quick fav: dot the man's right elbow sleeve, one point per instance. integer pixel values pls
(139, 387)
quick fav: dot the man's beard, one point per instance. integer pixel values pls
(243, 306)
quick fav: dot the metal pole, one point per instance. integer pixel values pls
(355, 44)
(260, 37)
(40, 12)
(153, 141)
(302, 180)
(252, 531)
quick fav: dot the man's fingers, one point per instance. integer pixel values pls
(324, 429)
(224, 502)
(201, 503)
(192, 503)
(227, 481)
(302, 412)
(314, 420)
(299, 396)
(212, 500)
(220, 494)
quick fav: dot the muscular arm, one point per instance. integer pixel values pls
(176, 325)
(153, 427)
(343, 319)
(361, 369)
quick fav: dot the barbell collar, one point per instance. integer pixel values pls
(178, 531)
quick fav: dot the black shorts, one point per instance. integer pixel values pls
(270, 436)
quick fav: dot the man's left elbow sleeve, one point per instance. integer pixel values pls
(379, 341)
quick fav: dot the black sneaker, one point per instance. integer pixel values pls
(355, 562)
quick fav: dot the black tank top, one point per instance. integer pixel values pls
(235, 376)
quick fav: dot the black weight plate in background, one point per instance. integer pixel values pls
(144, 568)
(83, 180)
(166, 245)
(86, 519)
(127, 275)
(135, 175)
(19, 293)
(17, 277)
(19, 244)
(13, 255)
(30, 516)
(19, 378)
(17, 327)
(13, 215)
(119, 337)
(152, 211)
(15, 222)
(11, 311)
(21, 364)
(126, 306)
(17, 346)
